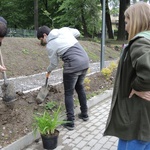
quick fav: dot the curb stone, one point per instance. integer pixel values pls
(30, 137)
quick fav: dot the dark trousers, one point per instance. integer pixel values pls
(74, 81)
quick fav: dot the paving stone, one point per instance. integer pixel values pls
(77, 140)
(98, 136)
(81, 144)
(97, 146)
(103, 140)
(91, 128)
(113, 148)
(75, 135)
(92, 142)
(95, 132)
(108, 145)
(75, 149)
(89, 137)
(67, 141)
(82, 130)
(86, 148)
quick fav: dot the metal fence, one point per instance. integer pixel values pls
(12, 32)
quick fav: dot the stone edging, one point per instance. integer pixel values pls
(30, 137)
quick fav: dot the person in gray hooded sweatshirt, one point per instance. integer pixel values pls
(62, 43)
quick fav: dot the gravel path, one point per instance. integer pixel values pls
(33, 82)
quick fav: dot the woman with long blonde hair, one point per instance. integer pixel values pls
(129, 117)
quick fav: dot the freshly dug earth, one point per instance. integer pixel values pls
(24, 57)
(16, 120)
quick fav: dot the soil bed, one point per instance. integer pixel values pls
(16, 120)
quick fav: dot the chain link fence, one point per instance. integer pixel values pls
(12, 32)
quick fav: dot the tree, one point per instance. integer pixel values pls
(18, 13)
(35, 14)
(84, 15)
(121, 29)
(109, 23)
(48, 12)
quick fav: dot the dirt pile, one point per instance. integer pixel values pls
(16, 120)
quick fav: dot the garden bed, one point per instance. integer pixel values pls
(16, 119)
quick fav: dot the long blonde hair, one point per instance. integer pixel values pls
(139, 16)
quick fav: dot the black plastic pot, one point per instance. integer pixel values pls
(50, 141)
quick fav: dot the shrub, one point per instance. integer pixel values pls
(113, 66)
(108, 70)
(87, 83)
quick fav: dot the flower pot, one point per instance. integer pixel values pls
(50, 141)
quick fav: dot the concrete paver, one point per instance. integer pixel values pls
(86, 135)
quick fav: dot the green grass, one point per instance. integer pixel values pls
(112, 49)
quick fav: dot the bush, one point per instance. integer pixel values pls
(108, 70)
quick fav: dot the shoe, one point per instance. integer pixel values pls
(69, 125)
(84, 117)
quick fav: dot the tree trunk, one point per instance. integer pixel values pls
(108, 22)
(35, 14)
(0, 7)
(121, 28)
(45, 4)
(84, 23)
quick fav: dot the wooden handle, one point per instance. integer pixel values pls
(47, 74)
(2, 62)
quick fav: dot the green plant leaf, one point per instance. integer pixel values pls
(47, 123)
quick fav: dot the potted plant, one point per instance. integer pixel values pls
(46, 124)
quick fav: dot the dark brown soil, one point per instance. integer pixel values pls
(16, 120)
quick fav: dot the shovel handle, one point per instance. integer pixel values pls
(2, 62)
(5, 77)
(47, 76)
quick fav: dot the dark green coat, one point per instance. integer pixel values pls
(129, 118)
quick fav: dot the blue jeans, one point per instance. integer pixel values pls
(133, 145)
(74, 81)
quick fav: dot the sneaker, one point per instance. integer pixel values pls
(69, 125)
(84, 117)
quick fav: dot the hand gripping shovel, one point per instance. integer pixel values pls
(43, 91)
(8, 91)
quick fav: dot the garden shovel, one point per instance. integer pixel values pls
(8, 91)
(43, 91)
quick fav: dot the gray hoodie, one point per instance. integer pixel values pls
(62, 43)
